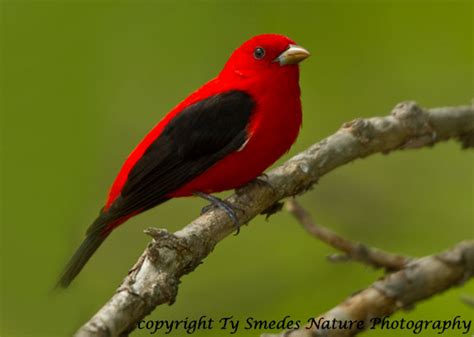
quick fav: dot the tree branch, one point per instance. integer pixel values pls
(155, 277)
(353, 250)
(418, 280)
(415, 280)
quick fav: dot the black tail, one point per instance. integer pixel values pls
(94, 238)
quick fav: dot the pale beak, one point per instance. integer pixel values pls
(293, 55)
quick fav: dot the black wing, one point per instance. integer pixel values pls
(192, 142)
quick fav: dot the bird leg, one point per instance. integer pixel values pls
(262, 180)
(217, 202)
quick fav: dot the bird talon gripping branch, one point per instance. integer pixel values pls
(222, 136)
(222, 204)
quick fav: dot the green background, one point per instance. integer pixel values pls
(83, 81)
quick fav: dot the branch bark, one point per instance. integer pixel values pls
(415, 280)
(418, 280)
(374, 257)
(155, 277)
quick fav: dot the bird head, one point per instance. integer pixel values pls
(263, 53)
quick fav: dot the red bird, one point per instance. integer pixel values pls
(221, 137)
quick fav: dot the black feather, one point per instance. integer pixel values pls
(192, 142)
(93, 240)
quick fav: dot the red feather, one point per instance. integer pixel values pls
(242, 121)
(273, 129)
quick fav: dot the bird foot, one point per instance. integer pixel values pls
(263, 181)
(219, 203)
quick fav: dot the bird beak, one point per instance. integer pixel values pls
(293, 55)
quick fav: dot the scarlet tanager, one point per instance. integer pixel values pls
(220, 137)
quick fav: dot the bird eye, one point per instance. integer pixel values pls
(259, 53)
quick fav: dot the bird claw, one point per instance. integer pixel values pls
(219, 203)
(207, 208)
(263, 181)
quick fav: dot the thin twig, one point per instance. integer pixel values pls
(353, 250)
(468, 300)
(418, 280)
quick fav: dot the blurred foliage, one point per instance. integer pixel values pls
(83, 81)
